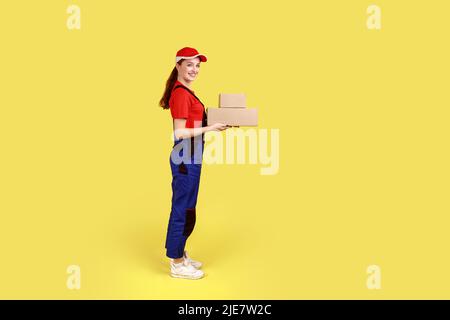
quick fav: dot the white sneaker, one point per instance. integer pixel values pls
(184, 270)
(196, 264)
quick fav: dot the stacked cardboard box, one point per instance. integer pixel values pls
(233, 111)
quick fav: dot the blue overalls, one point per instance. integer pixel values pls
(185, 186)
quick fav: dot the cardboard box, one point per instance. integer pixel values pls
(233, 116)
(235, 100)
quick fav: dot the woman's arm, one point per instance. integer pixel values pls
(181, 132)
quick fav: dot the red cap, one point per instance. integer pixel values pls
(189, 53)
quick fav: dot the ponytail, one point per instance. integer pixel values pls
(164, 102)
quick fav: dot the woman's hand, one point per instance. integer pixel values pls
(218, 127)
(181, 132)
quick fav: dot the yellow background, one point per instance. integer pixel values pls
(363, 179)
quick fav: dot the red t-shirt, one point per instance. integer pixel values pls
(184, 105)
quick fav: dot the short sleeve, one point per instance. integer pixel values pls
(179, 104)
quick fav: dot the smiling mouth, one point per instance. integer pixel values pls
(192, 74)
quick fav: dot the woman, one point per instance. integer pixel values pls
(188, 112)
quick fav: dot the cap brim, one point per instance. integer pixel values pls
(202, 57)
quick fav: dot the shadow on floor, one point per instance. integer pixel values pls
(146, 244)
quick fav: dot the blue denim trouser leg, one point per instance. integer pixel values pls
(185, 186)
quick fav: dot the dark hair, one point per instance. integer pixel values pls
(164, 102)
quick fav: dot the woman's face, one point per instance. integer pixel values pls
(189, 68)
